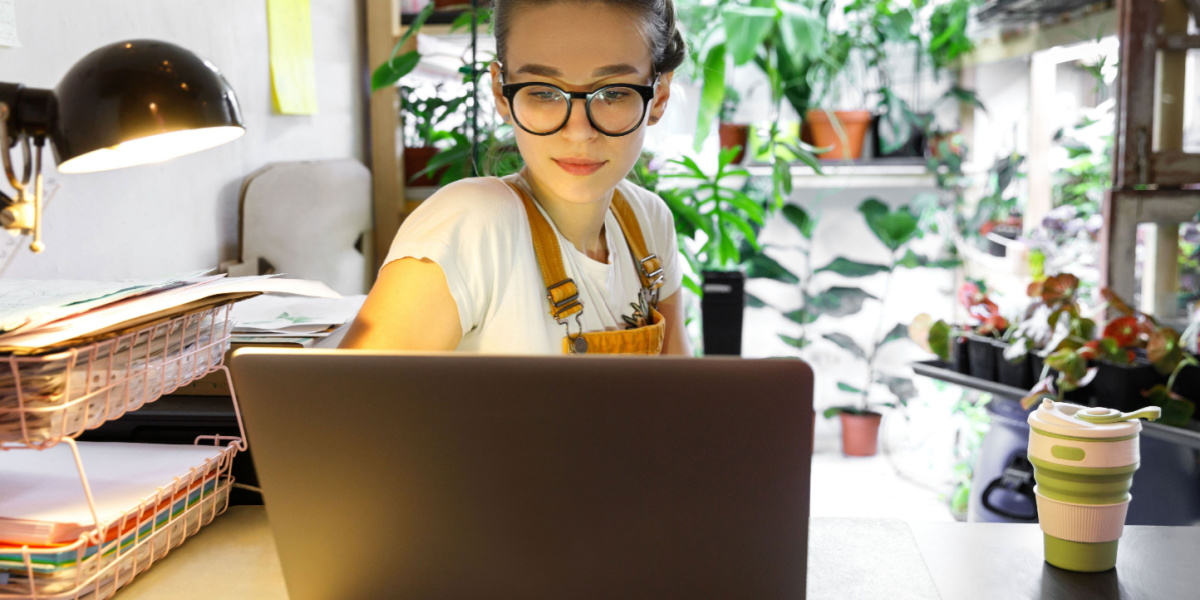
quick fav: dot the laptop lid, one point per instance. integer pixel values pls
(389, 475)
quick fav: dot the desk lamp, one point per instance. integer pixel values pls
(126, 104)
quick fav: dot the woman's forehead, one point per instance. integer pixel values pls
(575, 42)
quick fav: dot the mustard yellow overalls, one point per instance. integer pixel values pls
(563, 295)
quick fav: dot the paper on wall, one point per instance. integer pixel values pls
(8, 24)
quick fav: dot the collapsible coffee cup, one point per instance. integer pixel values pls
(1083, 462)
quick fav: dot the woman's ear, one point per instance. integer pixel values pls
(497, 92)
(662, 94)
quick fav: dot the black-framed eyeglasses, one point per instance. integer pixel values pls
(543, 108)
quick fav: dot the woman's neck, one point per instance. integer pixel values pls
(582, 224)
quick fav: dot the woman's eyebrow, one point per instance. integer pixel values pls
(608, 71)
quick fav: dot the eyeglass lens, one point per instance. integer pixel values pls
(542, 109)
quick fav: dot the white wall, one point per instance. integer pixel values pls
(181, 215)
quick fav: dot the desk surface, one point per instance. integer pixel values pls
(849, 559)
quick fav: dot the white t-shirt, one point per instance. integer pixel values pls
(476, 230)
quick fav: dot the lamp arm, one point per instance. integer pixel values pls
(5, 146)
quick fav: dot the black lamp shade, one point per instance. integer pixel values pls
(140, 101)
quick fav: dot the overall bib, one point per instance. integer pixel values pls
(647, 325)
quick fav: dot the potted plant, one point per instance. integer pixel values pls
(420, 118)
(733, 135)
(835, 122)
(895, 230)
(712, 219)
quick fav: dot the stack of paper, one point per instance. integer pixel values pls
(138, 489)
(39, 314)
(292, 316)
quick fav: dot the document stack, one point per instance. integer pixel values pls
(79, 519)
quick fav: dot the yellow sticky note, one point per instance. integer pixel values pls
(293, 81)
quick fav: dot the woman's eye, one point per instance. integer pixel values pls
(545, 96)
(613, 95)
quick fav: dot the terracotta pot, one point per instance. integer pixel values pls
(854, 125)
(415, 160)
(735, 135)
(860, 433)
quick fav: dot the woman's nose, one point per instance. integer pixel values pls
(578, 127)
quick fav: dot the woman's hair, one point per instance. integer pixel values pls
(656, 17)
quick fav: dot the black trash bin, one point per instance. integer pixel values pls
(721, 310)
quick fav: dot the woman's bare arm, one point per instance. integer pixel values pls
(676, 340)
(409, 308)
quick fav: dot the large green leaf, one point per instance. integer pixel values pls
(800, 218)
(893, 228)
(391, 71)
(846, 343)
(745, 29)
(850, 268)
(398, 66)
(939, 339)
(713, 93)
(839, 301)
(763, 266)
(753, 301)
(803, 32)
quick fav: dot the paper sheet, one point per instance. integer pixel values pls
(44, 485)
(293, 80)
(8, 24)
(292, 315)
(28, 303)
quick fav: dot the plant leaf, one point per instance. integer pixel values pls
(765, 267)
(745, 29)
(753, 301)
(939, 340)
(846, 343)
(713, 93)
(892, 228)
(899, 332)
(802, 30)
(391, 71)
(838, 302)
(848, 388)
(800, 219)
(849, 268)
(802, 316)
(795, 342)
(902, 387)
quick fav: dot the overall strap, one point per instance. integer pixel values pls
(560, 289)
(649, 266)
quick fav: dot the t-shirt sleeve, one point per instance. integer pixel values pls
(468, 228)
(659, 228)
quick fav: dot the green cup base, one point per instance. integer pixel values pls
(1083, 557)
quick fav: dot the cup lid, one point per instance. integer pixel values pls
(1064, 418)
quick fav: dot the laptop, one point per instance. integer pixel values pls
(391, 475)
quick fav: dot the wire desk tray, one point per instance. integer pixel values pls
(54, 397)
(107, 558)
(45, 399)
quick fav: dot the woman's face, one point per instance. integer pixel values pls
(578, 47)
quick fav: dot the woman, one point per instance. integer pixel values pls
(565, 256)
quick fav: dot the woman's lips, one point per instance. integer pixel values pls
(579, 168)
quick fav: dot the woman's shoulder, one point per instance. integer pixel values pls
(648, 204)
(483, 201)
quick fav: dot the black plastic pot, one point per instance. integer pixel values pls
(1013, 374)
(1121, 386)
(981, 352)
(960, 359)
(721, 311)
(913, 148)
(1037, 363)
(1187, 384)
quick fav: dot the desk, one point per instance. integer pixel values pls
(849, 559)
